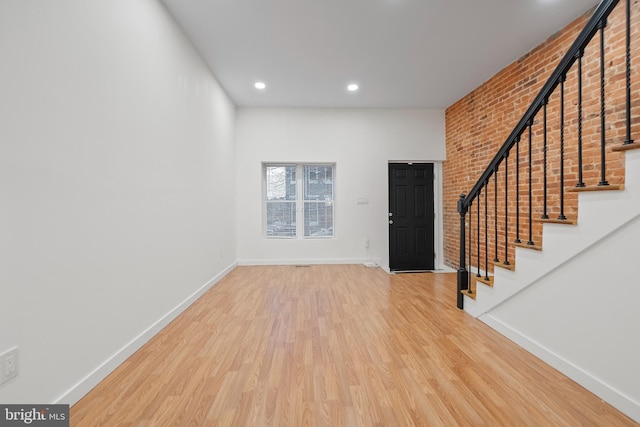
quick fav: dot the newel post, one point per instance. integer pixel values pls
(463, 274)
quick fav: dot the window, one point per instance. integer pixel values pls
(299, 200)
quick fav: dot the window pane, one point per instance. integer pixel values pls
(318, 183)
(281, 182)
(281, 219)
(318, 219)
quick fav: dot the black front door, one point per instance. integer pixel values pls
(411, 215)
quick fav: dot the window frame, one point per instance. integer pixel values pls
(300, 201)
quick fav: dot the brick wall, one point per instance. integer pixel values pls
(478, 124)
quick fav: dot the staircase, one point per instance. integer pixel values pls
(554, 161)
(601, 213)
(547, 233)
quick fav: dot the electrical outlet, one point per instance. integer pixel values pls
(8, 365)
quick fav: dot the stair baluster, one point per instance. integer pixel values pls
(530, 241)
(479, 200)
(562, 216)
(469, 290)
(603, 166)
(506, 209)
(518, 190)
(580, 166)
(628, 140)
(495, 214)
(545, 148)
(486, 230)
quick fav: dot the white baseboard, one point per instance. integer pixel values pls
(314, 261)
(616, 399)
(75, 393)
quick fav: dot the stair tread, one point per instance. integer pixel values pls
(627, 147)
(511, 266)
(558, 221)
(488, 282)
(526, 246)
(612, 187)
(469, 294)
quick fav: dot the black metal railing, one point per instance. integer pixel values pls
(524, 130)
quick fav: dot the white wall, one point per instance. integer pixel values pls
(361, 142)
(116, 186)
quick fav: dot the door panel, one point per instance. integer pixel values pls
(421, 241)
(420, 200)
(411, 207)
(402, 238)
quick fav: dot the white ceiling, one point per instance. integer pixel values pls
(402, 53)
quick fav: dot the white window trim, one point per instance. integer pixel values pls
(299, 200)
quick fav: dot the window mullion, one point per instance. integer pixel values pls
(299, 201)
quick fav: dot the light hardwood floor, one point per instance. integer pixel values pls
(340, 345)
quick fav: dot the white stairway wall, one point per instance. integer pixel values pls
(574, 304)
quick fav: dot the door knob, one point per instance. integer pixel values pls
(390, 221)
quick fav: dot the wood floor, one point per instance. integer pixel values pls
(340, 345)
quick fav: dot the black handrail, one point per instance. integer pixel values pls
(603, 10)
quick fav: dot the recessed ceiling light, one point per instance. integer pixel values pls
(260, 85)
(352, 87)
